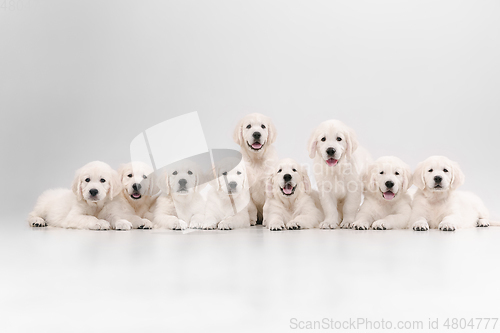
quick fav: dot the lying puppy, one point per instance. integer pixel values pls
(338, 164)
(94, 186)
(255, 134)
(387, 205)
(437, 204)
(181, 205)
(289, 200)
(132, 208)
(228, 200)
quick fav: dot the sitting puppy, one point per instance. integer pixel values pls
(338, 166)
(387, 205)
(437, 204)
(94, 186)
(132, 209)
(290, 202)
(255, 134)
(228, 200)
(180, 205)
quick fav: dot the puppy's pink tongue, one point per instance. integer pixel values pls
(288, 189)
(256, 145)
(389, 195)
(136, 195)
(331, 162)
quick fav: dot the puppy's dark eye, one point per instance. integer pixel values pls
(381, 172)
(224, 173)
(174, 173)
(294, 170)
(87, 180)
(430, 170)
(238, 173)
(129, 175)
(445, 170)
(323, 139)
(396, 173)
(339, 138)
(249, 126)
(263, 126)
(103, 180)
(279, 170)
(190, 173)
(144, 176)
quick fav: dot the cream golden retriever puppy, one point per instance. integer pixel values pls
(438, 205)
(133, 207)
(255, 134)
(338, 164)
(290, 203)
(228, 199)
(386, 205)
(94, 186)
(180, 206)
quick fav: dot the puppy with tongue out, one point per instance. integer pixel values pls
(290, 201)
(338, 164)
(133, 208)
(387, 204)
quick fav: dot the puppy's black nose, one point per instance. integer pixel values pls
(182, 182)
(256, 135)
(233, 185)
(389, 184)
(438, 179)
(330, 151)
(287, 177)
(93, 192)
(136, 186)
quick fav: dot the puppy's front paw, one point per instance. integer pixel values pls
(146, 224)
(360, 225)
(225, 224)
(380, 225)
(446, 226)
(328, 224)
(167, 222)
(293, 225)
(276, 225)
(253, 221)
(195, 224)
(123, 225)
(36, 222)
(421, 225)
(483, 223)
(346, 224)
(99, 225)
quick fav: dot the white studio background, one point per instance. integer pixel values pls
(79, 79)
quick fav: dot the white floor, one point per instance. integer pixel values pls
(250, 280)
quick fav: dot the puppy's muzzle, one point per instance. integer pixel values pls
(231, 187)
(256, 145)
(182, 185)
(136, 194)
(330, 152)
(288, 188)
(437, 182)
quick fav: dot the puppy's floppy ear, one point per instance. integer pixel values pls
(369, 178)
(418, 176)
(115, 184)
(271, 130)
(306, 180)
(152, 181)
(162, 181)
(269, 186)
(313, 142)
(351, 142)
(238, 133)
(457, 176)
(77, 185)
(121, 170)
(407, 178)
